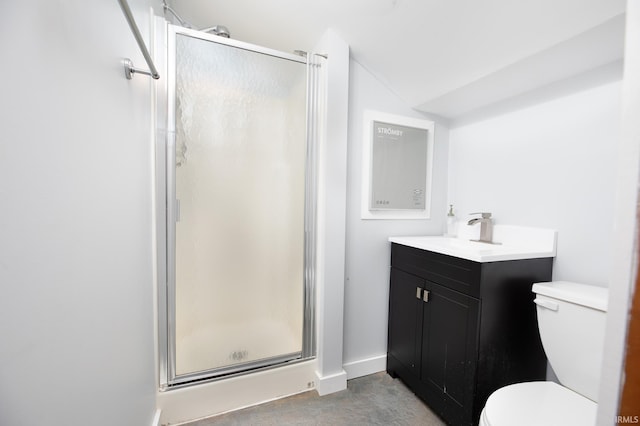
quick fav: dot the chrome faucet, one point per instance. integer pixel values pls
(486, 227)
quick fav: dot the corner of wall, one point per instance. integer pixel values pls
(622, 273)
(331, 383)
(156, 418)
(332, 193)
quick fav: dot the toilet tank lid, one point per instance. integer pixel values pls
(581, 294)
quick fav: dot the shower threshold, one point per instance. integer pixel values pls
(235, 370)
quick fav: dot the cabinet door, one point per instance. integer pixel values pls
(405, 319)
(449, 348)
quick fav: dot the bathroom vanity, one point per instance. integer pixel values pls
(462, 322)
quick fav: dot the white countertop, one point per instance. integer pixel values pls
(514, 242)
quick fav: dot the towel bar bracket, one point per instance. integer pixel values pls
(129, 70)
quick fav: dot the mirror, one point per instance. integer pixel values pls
(397, 160)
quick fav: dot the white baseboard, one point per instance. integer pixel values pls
(156, 418)
(364, 367)
(330, 384)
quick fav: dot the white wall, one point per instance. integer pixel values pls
(76, 310)
(625, 244)
(332, 190)
(367, 246)
(549, 164)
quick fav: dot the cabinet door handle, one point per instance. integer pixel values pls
(425, 296)
(418, 293)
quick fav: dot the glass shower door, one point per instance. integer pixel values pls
(237, 213)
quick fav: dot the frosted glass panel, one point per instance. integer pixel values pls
(239, 181)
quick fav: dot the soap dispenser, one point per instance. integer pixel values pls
(451, 222)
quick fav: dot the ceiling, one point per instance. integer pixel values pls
(427, 50)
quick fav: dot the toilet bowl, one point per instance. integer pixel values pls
(571, 321)
(538, 404)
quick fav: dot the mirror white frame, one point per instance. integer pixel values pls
(367, 166)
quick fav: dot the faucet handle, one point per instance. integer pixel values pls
(485, 215)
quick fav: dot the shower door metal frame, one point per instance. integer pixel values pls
(166, 217)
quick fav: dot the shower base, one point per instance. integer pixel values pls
(226, 345)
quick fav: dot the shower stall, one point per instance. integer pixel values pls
(237, 218)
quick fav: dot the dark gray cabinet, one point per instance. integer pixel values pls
(458, 329)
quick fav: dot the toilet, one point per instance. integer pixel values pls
(571, 321)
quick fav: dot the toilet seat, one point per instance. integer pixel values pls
(538, 404)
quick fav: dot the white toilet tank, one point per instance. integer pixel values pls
(571, 321)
